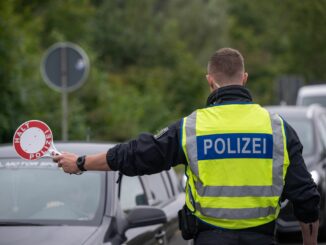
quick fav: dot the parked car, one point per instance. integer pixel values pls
(312, 94)
(310, 125)
(40, 204)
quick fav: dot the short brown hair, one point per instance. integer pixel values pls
(226, 64)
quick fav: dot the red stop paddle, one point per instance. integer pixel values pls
(33, 140)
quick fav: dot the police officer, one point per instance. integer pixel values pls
(240, 162)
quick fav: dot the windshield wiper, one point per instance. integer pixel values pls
(18, 223)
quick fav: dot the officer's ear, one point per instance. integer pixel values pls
(211, 83)
(244, 78)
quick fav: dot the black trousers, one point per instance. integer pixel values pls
(220, 237)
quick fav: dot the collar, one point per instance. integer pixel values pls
(230, 93)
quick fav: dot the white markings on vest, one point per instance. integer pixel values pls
(242, 145)
(207, 145)
(222, 149)
(244, 148)
(229, 146)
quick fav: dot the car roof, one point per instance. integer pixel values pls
(79, 148)
(313, 90)
(296, 111)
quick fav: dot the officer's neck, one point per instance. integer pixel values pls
(231, 93)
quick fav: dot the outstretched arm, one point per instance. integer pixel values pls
(92, 162)
(147, 154)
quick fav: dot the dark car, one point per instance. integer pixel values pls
(40, 204)
(310, 125)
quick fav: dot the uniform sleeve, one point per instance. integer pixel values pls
(148, 154)
(299, 187)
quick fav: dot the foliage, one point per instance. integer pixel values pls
(306, 30)
(148, 58)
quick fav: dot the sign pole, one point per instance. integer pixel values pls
(64, 93)
(65, 68)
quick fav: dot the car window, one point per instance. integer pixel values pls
(167, 183)
(176, 182)
(34, 191)
(322, 129)
(314, 100)
(305, 131)
(157, 188)
(131, 193)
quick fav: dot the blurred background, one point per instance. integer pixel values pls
(148, 58)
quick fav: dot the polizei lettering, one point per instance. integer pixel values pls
(235, 146)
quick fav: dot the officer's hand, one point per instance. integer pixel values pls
(67, 161)
(309, 232)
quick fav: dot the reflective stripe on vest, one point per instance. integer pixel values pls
(234, 145)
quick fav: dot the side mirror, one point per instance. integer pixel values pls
(145, 215)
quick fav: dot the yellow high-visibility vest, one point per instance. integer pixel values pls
(237, 161)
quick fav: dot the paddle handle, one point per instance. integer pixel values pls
(54, 152)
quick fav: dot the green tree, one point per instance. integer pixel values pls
(148, 58)
(152, 77)
(304, 26)
(279, 37)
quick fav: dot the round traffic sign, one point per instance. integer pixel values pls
(65, 66)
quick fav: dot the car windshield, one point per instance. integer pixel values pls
(39, 192)
(304, 129)
(314, 100)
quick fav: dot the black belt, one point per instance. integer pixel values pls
(268, 229)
